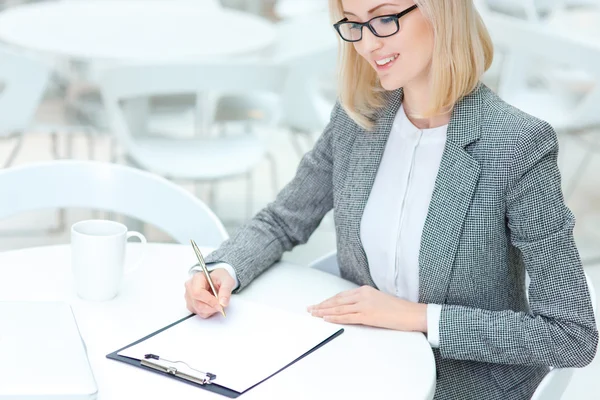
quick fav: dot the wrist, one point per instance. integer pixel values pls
(420, 317)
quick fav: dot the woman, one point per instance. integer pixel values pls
(444, 197)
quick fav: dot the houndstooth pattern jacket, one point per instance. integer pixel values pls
(497, 211)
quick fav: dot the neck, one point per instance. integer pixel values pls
(416, 103)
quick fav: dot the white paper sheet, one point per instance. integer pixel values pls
(253, 342)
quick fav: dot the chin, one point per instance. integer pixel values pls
(389, 83)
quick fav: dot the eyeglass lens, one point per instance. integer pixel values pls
(383, 26)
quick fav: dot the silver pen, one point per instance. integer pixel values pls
(210, 282)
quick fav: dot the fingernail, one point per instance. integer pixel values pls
(309, 308)
(225, 301)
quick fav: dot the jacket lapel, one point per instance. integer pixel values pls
(454, 188)
(364, 161)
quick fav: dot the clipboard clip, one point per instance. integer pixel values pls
(178, 368)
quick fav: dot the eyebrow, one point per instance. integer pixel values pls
(371, 11)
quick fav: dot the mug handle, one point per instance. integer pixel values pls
(143, 240)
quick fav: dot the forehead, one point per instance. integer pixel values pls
(362, 7)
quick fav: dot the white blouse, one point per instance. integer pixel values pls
(394, 216)
(392, 223)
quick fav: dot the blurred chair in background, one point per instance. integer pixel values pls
(202, 158)
(571, 114)
(291, 9)
(114, 188)
(307, 45)
(23, 81)
(11, 3)
(536, 10)
(568, 79)
(307, 105)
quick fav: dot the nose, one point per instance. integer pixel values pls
(369, 42)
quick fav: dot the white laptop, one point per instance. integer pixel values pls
(42, 355)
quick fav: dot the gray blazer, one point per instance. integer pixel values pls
(497, 211)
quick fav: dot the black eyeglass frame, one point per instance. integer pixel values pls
(396, 17)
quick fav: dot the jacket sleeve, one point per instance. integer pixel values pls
(289, 220)
(560, 329)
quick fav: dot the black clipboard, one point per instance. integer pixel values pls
(210, 386)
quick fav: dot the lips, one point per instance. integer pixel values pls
(386, 60)
(385, 63)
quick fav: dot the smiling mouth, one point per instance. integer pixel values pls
(386, 61)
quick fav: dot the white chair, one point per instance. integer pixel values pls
(23, 80)
(114, 188)
(566, 113)
(11, 3)
(203, 158)
(288, 9)
(307, 46)
(327, 263)
(535, 10)
(307, 105)
(208, 4)
(564, 80)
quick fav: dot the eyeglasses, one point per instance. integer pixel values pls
(381, 26)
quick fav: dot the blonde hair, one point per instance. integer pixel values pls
(462, 52)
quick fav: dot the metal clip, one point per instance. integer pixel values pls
(178, 368)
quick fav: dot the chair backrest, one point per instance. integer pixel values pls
(306, 106)
(535, 10)
(522, 39)
(293, 8)
(308, 46)
(111, 187)
(327, 263)
(23, 80)
(204, 4)
(126, 82)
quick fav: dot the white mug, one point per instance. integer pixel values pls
(98, 258)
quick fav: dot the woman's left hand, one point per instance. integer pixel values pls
(368, 306)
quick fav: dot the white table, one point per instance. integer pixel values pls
(583, 24)
(134, 30)
(362, 363)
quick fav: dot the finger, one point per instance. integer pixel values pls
(197, 284)
(338, 300)
(224, 283)
(206, 297)
(204, 310)
(347, 319)
(189, 304)
(337, 310)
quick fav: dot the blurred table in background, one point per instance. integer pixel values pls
(134, 30)
(583, 23)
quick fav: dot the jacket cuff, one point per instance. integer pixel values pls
(434, 313)
(212, 267)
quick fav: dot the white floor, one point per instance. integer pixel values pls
(230, 206)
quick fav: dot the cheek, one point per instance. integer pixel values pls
(359, 48)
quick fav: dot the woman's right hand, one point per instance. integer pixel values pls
(199, 298)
